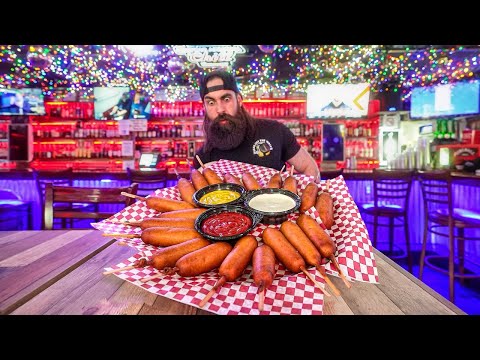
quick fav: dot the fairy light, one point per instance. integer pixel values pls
(140, 50)
(79, 67)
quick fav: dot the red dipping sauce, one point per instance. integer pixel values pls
(226, 224)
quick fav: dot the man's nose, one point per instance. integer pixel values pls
(221, 109)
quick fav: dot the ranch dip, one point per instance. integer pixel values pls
(272, 203)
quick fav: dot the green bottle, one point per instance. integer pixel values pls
(447, 127)
(441, 132)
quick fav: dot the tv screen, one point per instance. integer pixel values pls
(141, 106)
(27, 101)
(337, 100)
(112, 103)
(148, 160)
(333, 142)
(455, 99)
(69, 94)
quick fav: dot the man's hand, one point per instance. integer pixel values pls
(305, 164)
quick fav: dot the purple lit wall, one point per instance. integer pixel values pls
(466, 195)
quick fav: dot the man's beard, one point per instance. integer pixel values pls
(226, 136)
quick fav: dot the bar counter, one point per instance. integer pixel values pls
(21, 182)
(21, 174)
(360, 183)
(466, 195)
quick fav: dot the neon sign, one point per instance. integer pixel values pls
(210, 56)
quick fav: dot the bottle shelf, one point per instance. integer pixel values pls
(175, 130)
(169, 120)
(84, 159)
(53, 139)
(361, 137)
(163, 139)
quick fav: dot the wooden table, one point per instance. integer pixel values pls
(60, 272)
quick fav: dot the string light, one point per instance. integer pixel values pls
(287, 69)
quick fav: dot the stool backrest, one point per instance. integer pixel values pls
(148, 181)
(71, 194)
(392, 187)
(58, 177)
(436, 190)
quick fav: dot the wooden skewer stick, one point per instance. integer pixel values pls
(347, 283)
(131, 223)
(118, 270)
(281, 170)
(128, 236)
(325, 277)
(291, 170)
(328, 184)
(261, 297)
(133, 196)
(212, 291)
(176, 173)
(317, 284)
(151, 277)
(200, 161)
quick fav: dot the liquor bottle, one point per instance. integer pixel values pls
(191, 149)
(441, 132)
(435, 129)
(446, 129)
(451, 129)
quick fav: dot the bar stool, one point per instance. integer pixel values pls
(391, 194)
(57, 177)
(149, 180)
(443, 219)
(71, 194)
(14, 209)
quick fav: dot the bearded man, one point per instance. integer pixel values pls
(231, 133)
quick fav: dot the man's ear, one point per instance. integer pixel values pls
(240, 100)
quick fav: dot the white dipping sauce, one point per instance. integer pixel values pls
(272, 203)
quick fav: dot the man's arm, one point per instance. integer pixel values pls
(305, 164)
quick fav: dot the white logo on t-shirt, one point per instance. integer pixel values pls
(262, 147)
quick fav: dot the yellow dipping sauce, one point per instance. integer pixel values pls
(219, 197)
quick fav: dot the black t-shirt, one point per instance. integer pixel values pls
(271, 146)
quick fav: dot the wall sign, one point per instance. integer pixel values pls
(337, 100)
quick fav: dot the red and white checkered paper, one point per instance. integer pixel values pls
(290, 293)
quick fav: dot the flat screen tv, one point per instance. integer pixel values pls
(148, 161)
(26, 101)
(454, 99)
(333, 148)
(112, 103)
(327, 101)
(141, 106)
(69, 94)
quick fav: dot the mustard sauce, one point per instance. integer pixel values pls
(219, 197)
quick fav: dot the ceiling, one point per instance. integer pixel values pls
(282, 68)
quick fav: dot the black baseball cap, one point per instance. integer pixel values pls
(228, 79)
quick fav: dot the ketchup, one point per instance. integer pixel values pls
(226, 224)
